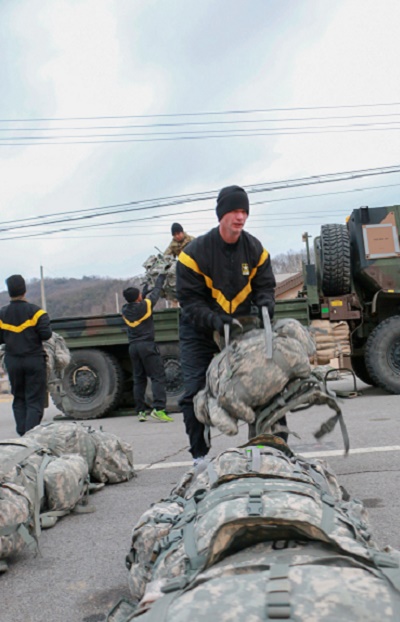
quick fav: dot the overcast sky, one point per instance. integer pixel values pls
(85, 72)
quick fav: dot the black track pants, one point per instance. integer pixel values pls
(197, 351)
(147, 363)
(28, 379)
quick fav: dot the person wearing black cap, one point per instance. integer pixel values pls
(180, 239)
(223, 274)
(143, 351)
(23, 328)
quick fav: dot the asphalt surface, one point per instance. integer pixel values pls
(80, 571)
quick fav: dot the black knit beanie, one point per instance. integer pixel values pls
(16, 285)
(131, 294)
(176, 228)
(230, 199)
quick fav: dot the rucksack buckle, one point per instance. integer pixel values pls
(254, 504)
(179, 583)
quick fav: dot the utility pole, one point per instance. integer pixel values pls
(42, 289)
(116, 302)
(305, 238)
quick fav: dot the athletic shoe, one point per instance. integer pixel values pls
(142, 416)
(198, 460)
(160, 415)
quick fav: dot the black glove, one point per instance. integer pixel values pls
(219, 320)
(160, 280)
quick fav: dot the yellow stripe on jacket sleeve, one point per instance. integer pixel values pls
(28, 324)
(143, 318)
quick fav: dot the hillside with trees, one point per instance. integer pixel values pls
(94, 295)
(69, 297)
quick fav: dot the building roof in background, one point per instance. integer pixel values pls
(286, 282)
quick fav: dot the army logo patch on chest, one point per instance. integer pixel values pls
(245, 269)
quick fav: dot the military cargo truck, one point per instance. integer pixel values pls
(99, 380)
(355, 277)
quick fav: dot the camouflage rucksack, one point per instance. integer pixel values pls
(247, 494)
(283, 580)
(240, 378)
(258, 534)
(36, 488)
(113, 462)
(159, 264)
(65, 437)
(109, 459)
(58, 356)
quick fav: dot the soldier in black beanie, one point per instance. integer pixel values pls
(23, 328)
(222, 275)
(143, 351)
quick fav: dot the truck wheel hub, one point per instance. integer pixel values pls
(173, 373)
(84, 381)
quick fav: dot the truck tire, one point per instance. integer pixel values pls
(360, 369)
(382, 355)
(92, 384)
(170, 355)
(335, 260)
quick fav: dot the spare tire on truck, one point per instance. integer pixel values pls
(382, 355)
(334, 260)
(92, 385)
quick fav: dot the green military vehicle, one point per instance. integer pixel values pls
(355, 278)
(98, 380)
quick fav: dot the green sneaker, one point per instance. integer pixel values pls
(160, 415)
(142, 416)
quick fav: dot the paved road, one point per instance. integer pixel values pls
(80, 572)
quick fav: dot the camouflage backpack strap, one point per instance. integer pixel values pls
(278, 593)
(7, 465)
(183, 530)
(388, 566)
(23, 529)
(300, 394)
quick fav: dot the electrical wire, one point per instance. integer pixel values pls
(201, 136)
(204, 113)
(204, 196)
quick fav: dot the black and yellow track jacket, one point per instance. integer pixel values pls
(215, 277)
(23, 327)
(138, 316)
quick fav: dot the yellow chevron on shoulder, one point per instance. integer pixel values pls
(27, 324)
(263, 258)
(143, 318)
(215, 293)
(242, 295)
(228, 307)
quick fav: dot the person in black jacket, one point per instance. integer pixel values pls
(143, 351)
(222, 275)
(23, 328)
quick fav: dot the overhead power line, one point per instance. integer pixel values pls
(168, 201)
(203, 113)
(209, 135)
(256, 188)
(199, 123)
(208, 132)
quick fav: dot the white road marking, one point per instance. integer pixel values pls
(308, 454)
